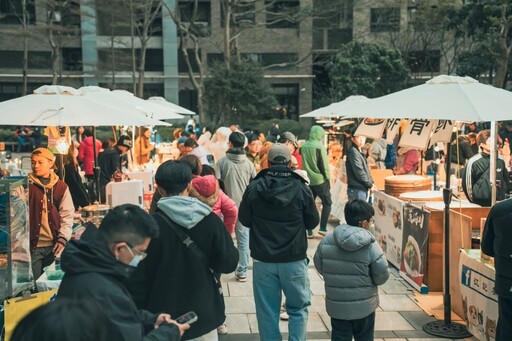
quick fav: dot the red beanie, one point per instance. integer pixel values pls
(205, 185)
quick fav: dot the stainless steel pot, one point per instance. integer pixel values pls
(95, 213)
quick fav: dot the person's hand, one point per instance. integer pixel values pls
(373, 189)
(57, 249)
(182, 327)
(163, 318)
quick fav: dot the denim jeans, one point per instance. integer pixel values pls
(353, 194)
(268, 281)
(362, 329)
(242, 244)
(323, 191)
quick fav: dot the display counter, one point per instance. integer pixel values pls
(479, 300)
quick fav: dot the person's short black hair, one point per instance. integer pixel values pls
(237, 139)
(190, 142)
(193, 162)
(62, 320)
(208, 170)
(173, 176)
(252, 137)
(357, 211)
(128, 223)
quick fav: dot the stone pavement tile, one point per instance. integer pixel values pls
(315, 323)
(393, 339)
(317, 304)
(416, 318)
(326, 319)
(384, 334)
(237, 289)
(395, 286)
(398, 303)
(414, 334)
(240, 305)
(313, 275)
(317, 288)
(390, 320)
(238, 324)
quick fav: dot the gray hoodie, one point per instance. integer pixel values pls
(353, 265)
(184, 211)
(236, 170)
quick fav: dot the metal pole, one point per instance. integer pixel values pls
(493, 156)
(96, 168)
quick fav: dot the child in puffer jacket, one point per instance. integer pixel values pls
(206, 189)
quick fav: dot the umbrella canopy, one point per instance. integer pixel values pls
(163, 102)
(442, 97)
(337, 109)
(125, 99)
(56, 105)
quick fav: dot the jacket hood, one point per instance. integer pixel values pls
(274, 185)
(352, 238)
(91, 254)
(236, 155)
(184, 211)
(316, 133)
(35, 180)
(88, 141)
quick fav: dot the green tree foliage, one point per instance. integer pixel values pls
(237, 93)
(367, 69)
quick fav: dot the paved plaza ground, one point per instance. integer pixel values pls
(398, 318)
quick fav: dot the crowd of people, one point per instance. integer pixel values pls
(142, 270)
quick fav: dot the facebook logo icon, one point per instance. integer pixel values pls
(466, 276)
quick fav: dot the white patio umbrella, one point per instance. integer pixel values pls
(126, 100)
(163, 102)
(337, 109)
(56, 105)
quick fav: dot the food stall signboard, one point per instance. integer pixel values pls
(388, 226)
(392, 126)
(479, 300)
(442, 131)
(414, 246)
(417, 133)
(371, 127)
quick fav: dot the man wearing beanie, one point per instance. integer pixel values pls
(50, 211)
(278, 208)
(111, 161)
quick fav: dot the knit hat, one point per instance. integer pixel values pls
(206, 189)
(279, 153)
(46, 153)
(125, 141)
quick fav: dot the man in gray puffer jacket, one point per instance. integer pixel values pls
(353, 265)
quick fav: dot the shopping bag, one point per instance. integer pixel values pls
(17, 308)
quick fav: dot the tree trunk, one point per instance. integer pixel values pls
(132, 39)
(227, 32)
(25, 48)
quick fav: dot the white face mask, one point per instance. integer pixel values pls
(135, 260)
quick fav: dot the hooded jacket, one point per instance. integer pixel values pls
(92, 272)
(109, 161)
(476, 179)
(314, 157)
(206, 189)
(172, 278)
(236, 170)
(86, 154)
(278, 208)
(353, 265)
(358, 172)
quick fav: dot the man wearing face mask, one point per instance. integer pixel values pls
(98, 266)
(112, 160)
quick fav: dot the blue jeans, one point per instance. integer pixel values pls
(242, 244)
(353, 194)
(268, 281)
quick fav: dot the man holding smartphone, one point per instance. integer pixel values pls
(98, 265)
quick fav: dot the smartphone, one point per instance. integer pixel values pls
(189, 318)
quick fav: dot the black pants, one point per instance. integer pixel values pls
(323, 191)
(362, 329)
(41, 257)
(504, 328)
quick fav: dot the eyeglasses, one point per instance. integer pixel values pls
(132, 250)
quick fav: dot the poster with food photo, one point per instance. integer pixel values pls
(414, 245)
(388, 226)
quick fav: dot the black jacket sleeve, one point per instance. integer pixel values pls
(310, 212)
(488, 236)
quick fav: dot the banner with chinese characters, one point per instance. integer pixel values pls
(371, 127)
(442, 131)
(415, 245)
(392, 126)
(388, 225)
(417, 134)
(479, 300)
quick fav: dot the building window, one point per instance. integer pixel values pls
(243, 13)
(188, 99)
(273, 60)
(10, 90)
(182, 63)
(72, 59)
(117, 23)
(186, 11)
(282, 13)
(287, 96)
(385, 19)
(120, 60)
(213, 58)
(11, 12)
(424, 61)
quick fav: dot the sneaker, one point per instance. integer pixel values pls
(284, 316)
(241, 278)
(322, 232)
(310, 234)
(222, 329)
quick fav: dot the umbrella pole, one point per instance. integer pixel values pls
(447, 328)
(96, 168)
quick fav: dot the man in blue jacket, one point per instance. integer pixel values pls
(278, 208)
